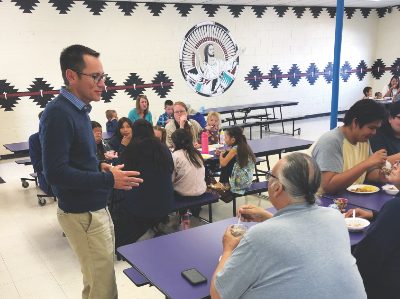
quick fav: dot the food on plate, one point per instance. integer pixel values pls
(365, 188)
(356, 224)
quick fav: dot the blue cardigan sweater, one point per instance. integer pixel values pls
(69, 158)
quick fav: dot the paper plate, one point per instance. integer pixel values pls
(363, 189)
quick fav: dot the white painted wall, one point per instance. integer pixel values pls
(387, 45)
(145, 44)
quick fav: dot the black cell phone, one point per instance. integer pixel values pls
(194, 276)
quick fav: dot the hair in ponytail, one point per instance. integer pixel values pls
(244, 152)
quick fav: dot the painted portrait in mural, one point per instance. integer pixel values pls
(209, 58)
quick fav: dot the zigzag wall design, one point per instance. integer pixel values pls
(42, 92)
(275, 76)
(156, 8)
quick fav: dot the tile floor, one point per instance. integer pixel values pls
(37, 262)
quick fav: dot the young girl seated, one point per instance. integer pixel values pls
(189, 171)
(237, 164)
(212, 127)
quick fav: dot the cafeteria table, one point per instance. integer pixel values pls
(247, 108)
(161, 260)
(22, 148)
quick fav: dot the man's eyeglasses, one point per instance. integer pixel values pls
(269, 175)
(96, 77)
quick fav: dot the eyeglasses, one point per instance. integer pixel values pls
(180, 111)
(96, 77)
(269, 175)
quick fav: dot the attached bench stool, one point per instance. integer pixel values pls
(137, 278)
(187, 202)
(256, 187)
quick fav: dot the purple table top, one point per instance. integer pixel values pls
(236, 108)
(24, 146)
(373, 201)
(162, 259)
(17, 147)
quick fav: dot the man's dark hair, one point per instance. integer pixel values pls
(364, 112)
(72, 58)
(168, 103)
(366, 90)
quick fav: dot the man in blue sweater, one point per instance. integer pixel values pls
(81, 183)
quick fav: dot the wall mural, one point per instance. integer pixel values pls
(209, 59)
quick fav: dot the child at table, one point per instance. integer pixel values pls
(112, 121)
(237, 164)
(212, 127)
(188, 177)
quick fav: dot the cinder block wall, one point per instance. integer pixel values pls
(148, 41)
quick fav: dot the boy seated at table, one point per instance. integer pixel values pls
(378, 95)
(167, 115)
(344, 154)
(112, 121)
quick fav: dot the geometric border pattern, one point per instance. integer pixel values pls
(184, 9)
(41, 92)
(275, 75)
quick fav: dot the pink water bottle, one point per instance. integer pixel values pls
(204, 142)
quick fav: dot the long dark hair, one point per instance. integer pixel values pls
(144, 148)
(390, 82)
(244, 152)
(121, 122)
(183, 140)
(386, 127)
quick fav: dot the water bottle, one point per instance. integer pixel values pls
(222, 137)
(204, 142)
(185, 220)
(202, 109)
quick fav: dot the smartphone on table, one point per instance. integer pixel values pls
(194, 276)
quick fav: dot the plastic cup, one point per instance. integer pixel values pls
(238, 230)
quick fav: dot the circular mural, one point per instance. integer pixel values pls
(209, 59)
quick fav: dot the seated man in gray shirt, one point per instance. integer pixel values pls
(344, 153)
(303, 251)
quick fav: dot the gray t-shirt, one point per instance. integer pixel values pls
(302, 252)
(330, 149)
